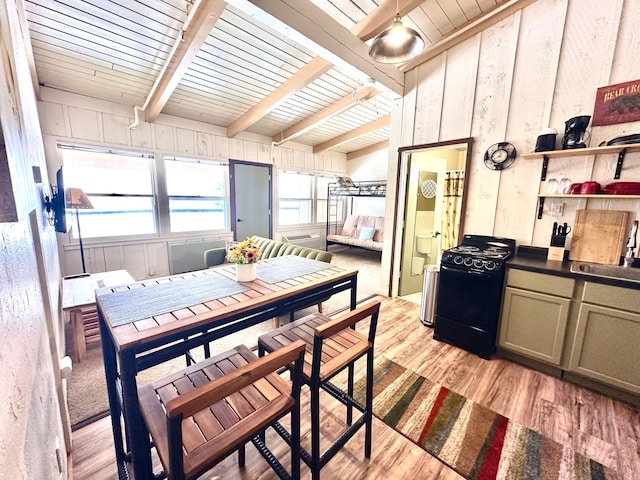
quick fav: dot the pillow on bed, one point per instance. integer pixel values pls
(367, 233)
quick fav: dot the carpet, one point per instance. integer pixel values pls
(87, 391)
(473, 440)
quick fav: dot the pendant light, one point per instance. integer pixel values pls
(397, 43)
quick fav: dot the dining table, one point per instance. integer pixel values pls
(148, 322)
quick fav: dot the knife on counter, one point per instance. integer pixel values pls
(555, 229)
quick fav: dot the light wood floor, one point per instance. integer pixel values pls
(594, 425)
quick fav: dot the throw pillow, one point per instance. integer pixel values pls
(367, 233)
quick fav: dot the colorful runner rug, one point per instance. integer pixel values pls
(476, 442)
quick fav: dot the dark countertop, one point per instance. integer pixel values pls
(534, 259)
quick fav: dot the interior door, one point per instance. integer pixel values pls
(250, 185)
(423, 219)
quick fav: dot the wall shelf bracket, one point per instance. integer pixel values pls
(540, 207)
(545, 164)
(621, 155)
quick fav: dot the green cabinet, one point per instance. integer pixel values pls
(606, 344)
(534, 315)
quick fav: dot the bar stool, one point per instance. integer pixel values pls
(334, 345)
(202, 414)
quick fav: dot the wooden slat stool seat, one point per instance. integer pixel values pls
(334, 345)
(200, 415)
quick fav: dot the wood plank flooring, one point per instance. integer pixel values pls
(594, 425)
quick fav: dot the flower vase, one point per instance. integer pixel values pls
(245, 272)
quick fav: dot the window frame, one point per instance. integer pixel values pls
(314, 199)
(70, 213)
(167, 197)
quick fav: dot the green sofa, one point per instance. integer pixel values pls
(270, 249)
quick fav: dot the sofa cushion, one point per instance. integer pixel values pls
(367, 233)
(354, 224)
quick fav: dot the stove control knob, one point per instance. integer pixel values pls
(477, 263)
(449, 257)
(468, 261)
(490, 265)
(457, 260)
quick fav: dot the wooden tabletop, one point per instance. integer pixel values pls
(79, 290)
(214, 312)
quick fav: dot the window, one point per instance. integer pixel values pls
(197, 191)
(295, 198)
(337, 203)
(120, 187)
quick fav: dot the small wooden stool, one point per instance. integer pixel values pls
(334, 345)
(201, 414)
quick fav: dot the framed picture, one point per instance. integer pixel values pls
(619, 103)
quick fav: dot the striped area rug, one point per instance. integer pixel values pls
(476, 442)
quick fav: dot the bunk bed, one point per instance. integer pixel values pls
(361, 231)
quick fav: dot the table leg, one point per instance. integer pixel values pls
(135, 431)
(111, 378)
(354, 292)
(79, 344)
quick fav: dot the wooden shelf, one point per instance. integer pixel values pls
(579, 152)
(621, 150)
(593, 195)
(543, 196)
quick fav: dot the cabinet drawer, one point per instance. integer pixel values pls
(540, 282)
(610, 296)
(605, 346)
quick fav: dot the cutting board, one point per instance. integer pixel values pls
(598, 236)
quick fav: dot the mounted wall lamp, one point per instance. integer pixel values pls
(77, 199)
(55, 205)
(397, 43)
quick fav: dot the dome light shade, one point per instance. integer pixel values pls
(396, 44)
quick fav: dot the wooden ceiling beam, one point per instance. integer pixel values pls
(367, 28)
(377, 124)
(367, 150)
(309, 25)
(205, 16)
(496, 15)
(342, 105)
(307, 74)
(381, 17)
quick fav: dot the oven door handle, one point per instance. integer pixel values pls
(462, 270)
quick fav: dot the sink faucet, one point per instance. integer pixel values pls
(631, 244)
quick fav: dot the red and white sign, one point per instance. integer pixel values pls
(618, 103)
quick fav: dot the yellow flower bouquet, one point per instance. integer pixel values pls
(246, 251)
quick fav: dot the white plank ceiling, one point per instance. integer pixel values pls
(115, 50)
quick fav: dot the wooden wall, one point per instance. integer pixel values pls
(533, 70)
(76, 119)
(34, 425)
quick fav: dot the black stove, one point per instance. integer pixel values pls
(470, 292)
(480, 252)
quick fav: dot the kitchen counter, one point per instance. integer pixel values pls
(534, 259)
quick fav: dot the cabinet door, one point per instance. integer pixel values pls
(606, 346)
(534, 324)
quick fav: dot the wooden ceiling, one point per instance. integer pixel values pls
(288, 69)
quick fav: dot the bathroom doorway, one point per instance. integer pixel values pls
(432, 199)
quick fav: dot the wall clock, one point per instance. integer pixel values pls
(500, 156)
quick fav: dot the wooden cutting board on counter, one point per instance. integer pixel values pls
(598, 236)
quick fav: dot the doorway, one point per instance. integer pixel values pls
(250, 191)
(431, 208)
